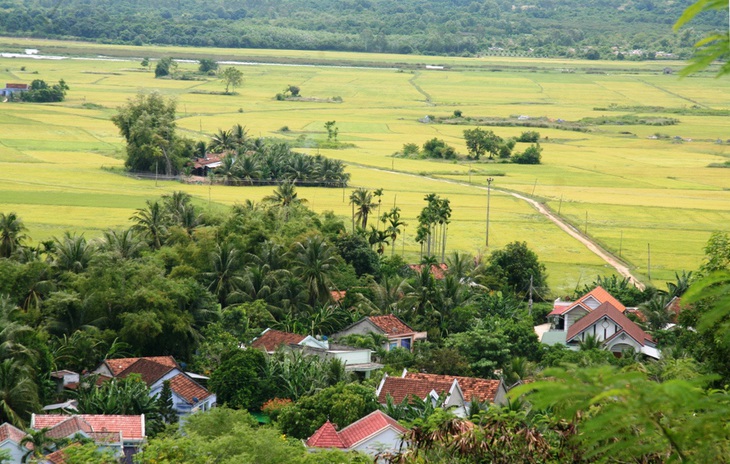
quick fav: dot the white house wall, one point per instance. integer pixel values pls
(385, 440)
(354, 357)
(15, 451)
(573, 315)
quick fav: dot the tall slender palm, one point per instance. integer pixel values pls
(378, 193)
(11, 234)
(362, 201)
(73, 253)
(18, 392)
(41, 444)
(378, 239)
(315, 262)
(393, 226)
(151, 222)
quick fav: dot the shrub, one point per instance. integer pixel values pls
(529, 137)
(531, 155)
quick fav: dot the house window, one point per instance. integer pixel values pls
(393, 345)
(406, 343)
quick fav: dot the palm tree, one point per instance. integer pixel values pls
(201, 149)
(227, 169)
(393, 228)
(11, 234)
(247, 169)
(239, 134)
(656, 313)
(378, 239)
(378, 193)
(225, 277)
(681, 284)
(223, 140)
(18, 392)
(315, 261)
(41, 444)
(591, 342)
(73, 253)
(285, 196)
(151, 222)
(125, 243)
(362, 201)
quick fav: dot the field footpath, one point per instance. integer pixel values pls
(589, 243)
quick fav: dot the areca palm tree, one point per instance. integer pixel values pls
(18, 392)
(151, 222)
(41, 444)
(362, 202)
(315, 262)
(378, 239)
(11, 234)
(393, 226)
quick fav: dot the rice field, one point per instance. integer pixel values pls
(652, 199)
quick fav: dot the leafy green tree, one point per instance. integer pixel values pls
(239, 382)
(88, 453)
(437, 148)
(486, 350)
(40, 92)
(206, 65)
(531, 155)
(342, 404)
(332, 130)
(232, 78)
(165, 67)
(479, 142)
(520, 267)
(11, 234)
(529, 137)
(147, 124)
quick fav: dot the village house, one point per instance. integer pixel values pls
(123, 435)
(484, 391)
(373, 434)
(398, 333)
(600, 315)
(357, 360)
(11, 89)
(188, 396)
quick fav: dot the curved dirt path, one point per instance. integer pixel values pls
(542, 209)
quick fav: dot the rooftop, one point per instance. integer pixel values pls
(483, 390)
(401, 388)
(272, 339)
(130, 427)
(328, 437)
(390, 324)
(612, 313)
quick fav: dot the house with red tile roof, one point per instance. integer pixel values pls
(10, 438)
(123, 435)
(474, 389)
(598, 314)
(398, 332)
(188, 396)
(373, 434)
(564, 314)
(270, 340)
(616, 331)
(438, 271)
(404, 389)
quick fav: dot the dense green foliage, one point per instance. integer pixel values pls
(40, 92)
(416, 26)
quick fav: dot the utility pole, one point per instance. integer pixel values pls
(621, 243)
(529, 302)
(648, 262)
(585, 231)
(489, 191)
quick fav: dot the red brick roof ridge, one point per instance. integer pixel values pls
(118, 365)
(9, 431)
(607, 309)
(131, 426)
(400, 388)
(187, 388)
(150, 371)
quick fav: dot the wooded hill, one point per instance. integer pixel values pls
(441, 27)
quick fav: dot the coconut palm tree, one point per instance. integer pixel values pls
(11, 234)
(222, 141)
(151, 222)
(123, 243)
(362, 202)
(18, 392)
(247, 169)
(227, 169)
(225, 277)
(284, 197)
(73, 253)
(315, 262)
(656, 313)
(239, 134)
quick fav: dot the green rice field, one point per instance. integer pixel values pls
(652, 199)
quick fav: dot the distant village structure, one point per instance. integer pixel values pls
(11, 89)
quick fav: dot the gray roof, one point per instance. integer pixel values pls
(554, 337)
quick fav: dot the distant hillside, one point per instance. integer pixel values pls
(584, 28)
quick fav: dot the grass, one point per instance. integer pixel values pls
(639, 192)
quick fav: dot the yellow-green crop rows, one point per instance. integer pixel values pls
(643, 197)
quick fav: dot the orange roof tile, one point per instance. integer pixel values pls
(59, 457)
(399, 388)
(326, 437)
(391, 325)
(272, 339)
(116, 366)
(367, 427)
(12, 433)
(131, 427)
(608, 310)
(483, 390)
(187, 389)
(599, 293)
(150, 371)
